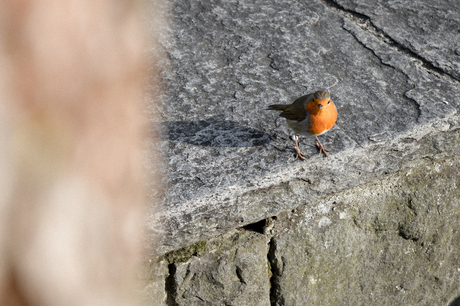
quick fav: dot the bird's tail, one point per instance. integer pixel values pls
(278, 107)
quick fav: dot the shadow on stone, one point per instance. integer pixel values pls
(215, 132)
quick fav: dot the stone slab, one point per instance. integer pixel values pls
(229, 162)
(230, 270)
(393, 241)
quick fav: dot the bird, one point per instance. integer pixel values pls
(312, 114)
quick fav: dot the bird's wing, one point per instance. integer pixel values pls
(297, 111)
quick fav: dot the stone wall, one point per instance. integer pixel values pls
(243, 222)
(394, 241)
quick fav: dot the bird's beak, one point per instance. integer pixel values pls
(320, 106)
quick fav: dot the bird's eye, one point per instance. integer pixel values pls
(328, 101)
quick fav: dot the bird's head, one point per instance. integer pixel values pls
(321, 100)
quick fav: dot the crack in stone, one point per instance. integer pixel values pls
(171, 286)
(370, 46)
(415, 103)
(271, 275)
(365, 23)
(403, 233)
(373, 52)
(239, 274)
(257, 227)
(274, 273)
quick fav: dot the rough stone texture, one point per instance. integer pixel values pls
(376, 223)
(228, 162)
(394, 241)
(391, 242)
(430, 29)
(231, 270)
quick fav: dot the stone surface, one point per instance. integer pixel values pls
(394, 241)
(230, 270)
(391, 242)
(229, 162)
(377, 222)
(430, 29)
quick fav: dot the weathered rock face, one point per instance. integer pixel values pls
(391, 242)
(394, 241)
(374, 223)
(229, 162)
(233, 270)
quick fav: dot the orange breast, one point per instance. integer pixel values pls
(323, 119)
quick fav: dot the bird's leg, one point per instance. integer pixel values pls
(320, 147)
(296, 148)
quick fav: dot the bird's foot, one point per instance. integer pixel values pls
(296, 148)
(299, 154)
(320, 147)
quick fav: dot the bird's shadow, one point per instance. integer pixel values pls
(214, 132)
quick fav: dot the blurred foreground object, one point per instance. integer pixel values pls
(72, 190)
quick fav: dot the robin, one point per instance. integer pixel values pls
(312, 114)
